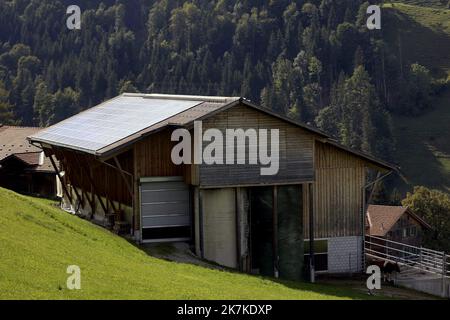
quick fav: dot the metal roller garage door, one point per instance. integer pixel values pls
(165, 209)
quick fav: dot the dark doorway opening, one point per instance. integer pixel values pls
(276, 215)
(261, 215)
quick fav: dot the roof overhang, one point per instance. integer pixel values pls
(228, 102)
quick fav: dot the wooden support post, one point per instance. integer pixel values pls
(63, 184)
(275, 231)
(90, 200)
(71, 175)
(311, 234)
(444, 273)
(136, 196)
(91, 181)
(200, 217)
(237, 226)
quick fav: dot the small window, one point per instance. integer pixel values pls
(413, 231)
(320, 246)
(405, 233)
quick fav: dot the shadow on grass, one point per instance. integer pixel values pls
(417, 42)
(422, 147)
(170, 252)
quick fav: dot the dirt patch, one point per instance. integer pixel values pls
(177, 252)
(387, 290)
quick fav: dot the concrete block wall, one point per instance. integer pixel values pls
(344, 254)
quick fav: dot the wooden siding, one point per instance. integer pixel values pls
(108, 182)
(295, 151)
(338, 195)
(153, 157)
(406, 221)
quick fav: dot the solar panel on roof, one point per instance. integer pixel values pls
(111, 121)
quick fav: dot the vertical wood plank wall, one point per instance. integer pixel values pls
(153, 157)
(295, 150)
(340, 177)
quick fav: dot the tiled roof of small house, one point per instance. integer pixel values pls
(14, 144)
(380, 219)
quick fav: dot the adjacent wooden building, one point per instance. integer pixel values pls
(118, 169)
(396, 223)
(23, 167)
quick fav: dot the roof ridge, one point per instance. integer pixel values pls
(182, 97)
(387, 205)
(19, 127)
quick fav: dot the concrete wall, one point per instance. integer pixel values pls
(431, 284)
(344, 254)
(219, 226)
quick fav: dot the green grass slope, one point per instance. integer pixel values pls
(421, 33)
(38, 241)
(423, 148)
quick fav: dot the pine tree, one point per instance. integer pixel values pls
(43, 105)
(6, 114)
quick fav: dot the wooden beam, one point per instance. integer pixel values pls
(135, 201)
(90, 200)
(71, 175)
(108, 199)
(94, 189)
(119, 168)
(237, 193)
(275, 231)
(311, 234)
(200, 220)
(63, 184)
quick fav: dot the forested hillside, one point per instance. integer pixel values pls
(314, 60)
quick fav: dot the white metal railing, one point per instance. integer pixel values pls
(419, 258)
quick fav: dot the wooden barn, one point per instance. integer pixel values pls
(118, 169)
(23, 167)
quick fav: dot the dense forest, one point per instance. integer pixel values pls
(314, 60)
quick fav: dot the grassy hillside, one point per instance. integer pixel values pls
(38, 242)
(423, 35)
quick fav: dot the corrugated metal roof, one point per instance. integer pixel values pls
(119, 119)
